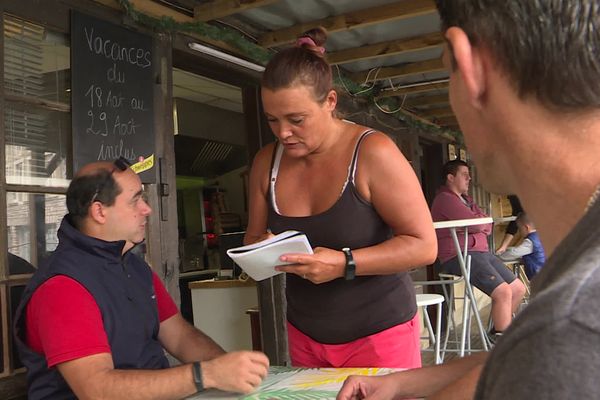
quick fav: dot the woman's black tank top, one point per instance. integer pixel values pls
(340, 311)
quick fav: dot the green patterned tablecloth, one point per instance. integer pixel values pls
(298, 383)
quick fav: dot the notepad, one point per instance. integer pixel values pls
(259, 259)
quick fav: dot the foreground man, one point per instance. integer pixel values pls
(525, 86)
(95, 320)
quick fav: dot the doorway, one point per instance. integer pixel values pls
(432, 160)
(211, 163)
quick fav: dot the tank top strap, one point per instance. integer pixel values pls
(352, 167)
(277, 153)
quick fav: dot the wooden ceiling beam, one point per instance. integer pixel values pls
(420, 67)
(447, 121)
(157, 10)
(221, 8)
(427, 100)
(388, 48)
(437, 112)
(151, 8)
(419, 118)
(355, 19)
(433, 123)
(413, 89)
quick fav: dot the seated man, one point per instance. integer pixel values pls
(95, 320)
(530, 249)
(488, 273)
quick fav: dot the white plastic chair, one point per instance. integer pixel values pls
(428, 299)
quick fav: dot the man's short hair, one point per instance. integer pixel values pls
(99, 186)
(523, 219)
(548, 48)
(451, 167)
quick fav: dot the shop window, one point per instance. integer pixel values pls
(37, 124)
(36, 143)
(32, 226)
(37, 136)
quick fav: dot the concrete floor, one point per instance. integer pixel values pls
(428, 357)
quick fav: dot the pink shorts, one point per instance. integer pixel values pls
(396, 347)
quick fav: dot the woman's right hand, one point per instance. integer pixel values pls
(323, 266)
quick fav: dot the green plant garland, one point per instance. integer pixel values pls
(261, 55)
(168, 24)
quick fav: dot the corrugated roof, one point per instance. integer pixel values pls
(393, 44)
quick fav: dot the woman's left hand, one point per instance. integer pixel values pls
(323, 266)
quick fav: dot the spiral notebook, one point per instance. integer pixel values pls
(259, 259)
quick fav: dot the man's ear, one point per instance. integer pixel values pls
(469, 64)
(97, 212)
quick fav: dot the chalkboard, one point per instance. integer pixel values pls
(111, 93)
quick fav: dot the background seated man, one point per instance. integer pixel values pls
(488, 273)
(530, 249)
(95, 320)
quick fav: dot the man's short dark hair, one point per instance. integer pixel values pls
(523, 219)
(83, 190)
(451, 167)
(548, 48)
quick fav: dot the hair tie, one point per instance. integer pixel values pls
(308, 40)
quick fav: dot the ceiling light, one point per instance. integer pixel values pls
(226, 57)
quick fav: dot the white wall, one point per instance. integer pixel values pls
(220, 312)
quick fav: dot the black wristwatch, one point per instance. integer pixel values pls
(197, 370)
(350, 270)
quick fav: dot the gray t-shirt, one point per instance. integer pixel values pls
(552, 349)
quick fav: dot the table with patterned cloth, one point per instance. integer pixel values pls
(294, 383)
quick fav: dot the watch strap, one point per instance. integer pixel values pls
(350, 268)
(197, 371)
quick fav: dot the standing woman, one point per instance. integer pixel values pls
(349, 188)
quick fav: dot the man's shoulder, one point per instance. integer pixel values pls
(568, 287)
(444, 202)
(443, 196)
(544, 347)
(554, 332)
(60, 286)
(64, 258)
(550, 340)
(585, 297)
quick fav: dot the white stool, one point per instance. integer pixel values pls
(448, 282)
(462, 344)
(424, 300)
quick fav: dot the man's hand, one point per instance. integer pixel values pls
(239, 371)
(359, 387)
(500, 250)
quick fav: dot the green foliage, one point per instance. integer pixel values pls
(229, 36)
